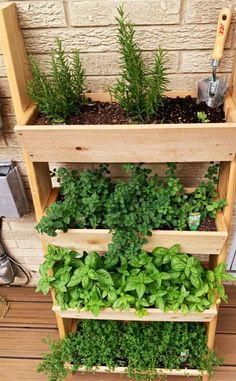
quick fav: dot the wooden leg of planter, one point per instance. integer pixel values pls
(40, 184)
(226, 189)
(205, 377)
(211, 329)
(64, 326)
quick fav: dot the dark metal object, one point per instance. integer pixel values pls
(13, 198)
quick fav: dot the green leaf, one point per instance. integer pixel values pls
(221, 291)
(92, 260)
(43, 285)
(92, 274)
(104, 277)
(195, 281)
(211, 297)
(112, 296)
(184, 309)
(86, 282)
(140, 289)
(76, 279)
(165, 276)
(152, 299)
(160, 304)
(130, 286)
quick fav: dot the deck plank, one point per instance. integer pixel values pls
(31, 319)
(24, 370)
(29, 314)
(24, 294)
(25, 343)
(226, 320)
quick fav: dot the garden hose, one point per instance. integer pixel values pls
(7, 272)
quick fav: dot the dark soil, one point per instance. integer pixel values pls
(184, 110)
(208, 225)
(174, 110)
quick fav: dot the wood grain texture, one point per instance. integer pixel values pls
(153, 315)
(24, 370)
(15, 342)
(15, 56)
(24, 294)
(132, 143)
(29, 314)
(98, 239)
(174, 372)
(227, 320)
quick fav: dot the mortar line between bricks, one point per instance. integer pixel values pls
(180, 61)
(67, 13)
(114, 26)
(182, 12)
(116, 51)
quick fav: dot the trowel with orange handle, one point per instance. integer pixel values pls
(212, 90)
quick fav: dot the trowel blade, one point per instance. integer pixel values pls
(211, 92)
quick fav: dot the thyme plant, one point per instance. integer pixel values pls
(139, 94)
(140, 348)
(60, 94)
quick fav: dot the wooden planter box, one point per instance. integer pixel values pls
(160, 371)
(132, 143)
(98, 239)
(190, 242)
(150, 143)
(154, 314)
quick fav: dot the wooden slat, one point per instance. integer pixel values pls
(153, 315)
(227, 320)
(231, 292)
(98, 239)
(28, 343)
(29, 314)
(29, 115)
(225, 344)
(24, 294)
(24, 370)
(224, 374)
(40, 184)
(174, 372)
(16, 60)
(20, 370)
(129, 143)
(233, 81)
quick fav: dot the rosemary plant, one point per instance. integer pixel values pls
(60, 94)
(137, 92)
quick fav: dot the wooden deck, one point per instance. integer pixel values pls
(30, 320)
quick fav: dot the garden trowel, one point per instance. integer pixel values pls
(212, 90)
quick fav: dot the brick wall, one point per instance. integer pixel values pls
(185, 28)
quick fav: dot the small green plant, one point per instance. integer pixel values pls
(139, 94)
(202, 117)
(164, 279)
(82, 203)
(130, 209)
(140, 348)
(60, 94)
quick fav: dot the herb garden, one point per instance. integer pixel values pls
(130, 294)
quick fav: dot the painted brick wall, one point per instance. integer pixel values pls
(185, 28)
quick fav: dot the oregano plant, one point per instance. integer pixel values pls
(131, 208)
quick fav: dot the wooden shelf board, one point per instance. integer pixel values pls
(174, 372)
(150, 143)
(153, 315)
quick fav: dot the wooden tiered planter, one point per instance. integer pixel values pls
(120, 144)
